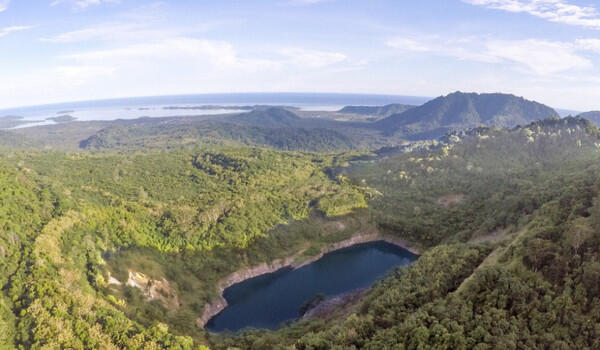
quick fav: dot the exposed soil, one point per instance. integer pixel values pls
(153, 289)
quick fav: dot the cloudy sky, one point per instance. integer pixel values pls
(68, 50)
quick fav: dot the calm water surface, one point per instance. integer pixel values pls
(153, 106)
(268, 300)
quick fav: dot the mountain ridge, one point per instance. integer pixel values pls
(460, 110)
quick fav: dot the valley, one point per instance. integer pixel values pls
(299, 175)
(174, 212)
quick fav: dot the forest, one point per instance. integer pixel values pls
(508, 220)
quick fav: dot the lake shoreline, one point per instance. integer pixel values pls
(219, 303)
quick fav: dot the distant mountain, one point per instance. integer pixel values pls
(593, 116)
(384, 111)
(272, 117)
(566, 112)
(464, 110)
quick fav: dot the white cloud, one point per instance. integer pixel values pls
(4, 5)
(589, 44)
(133, 30)
(561, 11)
(112, 32)
(219, 54)
(8, 30)
(308, 2)
(210, 53)
(312, 58)
(539, 57)
(78, 75)
(407, 44)
(83, 4)
(175, 66)
(140, 24)
(105, 32)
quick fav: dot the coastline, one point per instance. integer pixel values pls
(217, 305)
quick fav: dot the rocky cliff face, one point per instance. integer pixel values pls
(153, 289)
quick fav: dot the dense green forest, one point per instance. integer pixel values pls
(512, 219)
(508, 220)
(63, 214)
(154, 136)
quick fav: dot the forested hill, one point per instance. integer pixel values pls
(10, 140)
(513, 221)
(464, 110)
(271, 117)
(147, 136)
(382, 111)
(288, 128)
(593, 116)
(62, 216)
(508, 220)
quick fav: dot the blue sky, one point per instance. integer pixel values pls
(68, 50)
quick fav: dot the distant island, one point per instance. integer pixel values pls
(62, 119)
(12, 121)
(209, 107)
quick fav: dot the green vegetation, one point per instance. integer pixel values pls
(285, 128)
(63, 214)
(512, 219)
(508, 221)
(156, 136)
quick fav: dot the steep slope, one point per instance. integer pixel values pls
(464, 110)
(383, 111)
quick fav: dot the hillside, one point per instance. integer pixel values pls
(511, 217)
(464, 110)
(11, 140)
(593, 116)
(274, 117)
(380, 111)
(175, 134)
(507, 220)
(63, 216)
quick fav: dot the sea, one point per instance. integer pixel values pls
(181, 105)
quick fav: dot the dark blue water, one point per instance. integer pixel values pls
(268, 300)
